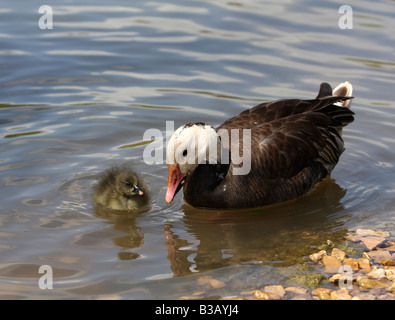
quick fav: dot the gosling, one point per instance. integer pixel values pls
(119, 188)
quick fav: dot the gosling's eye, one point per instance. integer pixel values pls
(185, 152)
(128, 184)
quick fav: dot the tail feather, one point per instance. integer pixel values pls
(343, 90)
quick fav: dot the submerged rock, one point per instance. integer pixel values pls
(391, 287)
(341, 294)
(377, 273)
(297, 290)
(308, 280)
(390, 272)
(275, 291)
(367, 283)
(372, 242)
(339, 254)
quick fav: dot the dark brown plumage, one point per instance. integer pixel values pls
(294, 145)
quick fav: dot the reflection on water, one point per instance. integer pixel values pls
(77, 99)
(279, 235)
(125, 221)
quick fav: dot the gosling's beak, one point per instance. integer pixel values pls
(176, 181)
(138, 191)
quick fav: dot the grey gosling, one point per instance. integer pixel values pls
(120, 188)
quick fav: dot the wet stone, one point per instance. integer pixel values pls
(204, 279)
(339, 254)
(367, 296)
(370, 232)
(318, 255)
(353, 263)
(372, 242)
(261, 295)
(364, 263)
(338, 277)
(275, 291)
(341, 294)
(353, 238)
(391, 287)
(304, 296)
(367, 283)
(297, 290)
(386, 296)
(377, 273)
(322, 293)
(332, 264)
(381, 254)
(216, 284)
(317, 291)
(390, 272)
(387, 262)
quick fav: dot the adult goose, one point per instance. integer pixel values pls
(273, 152)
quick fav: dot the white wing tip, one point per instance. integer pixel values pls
(343, 90)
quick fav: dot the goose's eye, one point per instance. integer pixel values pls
(128, 184)
(185, 152)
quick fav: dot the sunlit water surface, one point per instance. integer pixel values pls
(78, 98)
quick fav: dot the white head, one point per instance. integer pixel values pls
(190, 145)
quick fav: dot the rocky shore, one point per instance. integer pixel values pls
(369, 275)
(361, 268)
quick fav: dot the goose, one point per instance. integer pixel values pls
(120, 188)
(287, 147)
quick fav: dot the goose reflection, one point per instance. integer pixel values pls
(279, 235)
(120, 196)
(125, 221)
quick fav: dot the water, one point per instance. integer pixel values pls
(77, 99)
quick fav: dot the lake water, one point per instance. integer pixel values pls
(78, 98)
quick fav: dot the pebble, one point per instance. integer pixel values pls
(305, 296)
(377, 273)
(377, 255)
(387, 262)
(341, 294)
(318, 255)
(391, 287)
(318, 291)
(216, 284)
(204, 279)
(297, 290)
(261, 295)
(372, 242)
(322, 293)
(353, 263)
(366, 296)
(390, 272)
(332, 264)
(364, 263)
(339, 254)
(337, 277)
(275, 291)
(368, 283)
